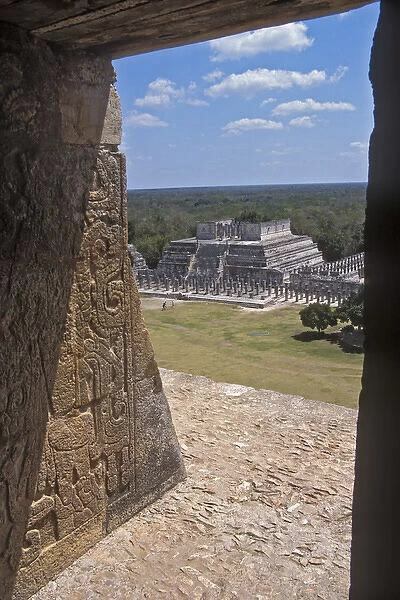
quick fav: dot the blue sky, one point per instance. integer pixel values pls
(282, 105)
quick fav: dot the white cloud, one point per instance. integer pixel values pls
(124, 146)
(267, 101)
(306, 122)
(213, 76)
(271, 163)
(292, 36)
(253, 81)
(344, 15)
(136, 119)
(162, 93)
(283, 152)
(196, 102)
(338, 74)
(362, 146)
(357, 151)
(310, 105)
(246, 124)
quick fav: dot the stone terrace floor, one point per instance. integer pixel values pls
(263, 514)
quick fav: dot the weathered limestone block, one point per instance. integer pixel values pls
(86, 437)
(110, 444)
(44, 184)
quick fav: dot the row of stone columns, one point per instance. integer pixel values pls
(350, 264)
(206, 285)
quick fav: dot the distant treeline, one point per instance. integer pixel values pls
(332, 214)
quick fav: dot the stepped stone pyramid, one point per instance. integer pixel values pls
(264, 251)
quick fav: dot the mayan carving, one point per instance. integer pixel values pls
(88, 475)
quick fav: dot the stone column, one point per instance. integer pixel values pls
(44, 186)
(87, 429)
(375, 554)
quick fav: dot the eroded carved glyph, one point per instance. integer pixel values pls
(109, 447)
(88, 464)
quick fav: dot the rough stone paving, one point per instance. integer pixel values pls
(264, 513)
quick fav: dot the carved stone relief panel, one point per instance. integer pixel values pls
(87, 481)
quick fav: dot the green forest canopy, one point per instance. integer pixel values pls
(332, 214)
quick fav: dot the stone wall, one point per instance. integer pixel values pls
(74, 352)
(376, 516)
(44, 183)
(110, 446)
(250, 231)
(206, 231)
(277, 226)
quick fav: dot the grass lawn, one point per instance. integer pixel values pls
(253, 348)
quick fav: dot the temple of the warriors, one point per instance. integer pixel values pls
(250, 264)
(232, 249)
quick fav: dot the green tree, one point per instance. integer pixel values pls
(318, 316)
(131, 231)
(151, 247)
(249, 216)
(333, 215)
(352, 309)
